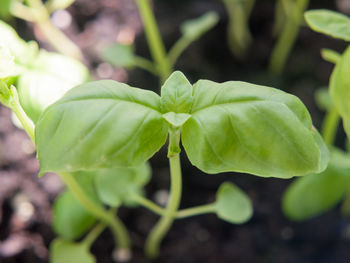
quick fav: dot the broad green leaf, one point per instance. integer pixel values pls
(101, 124)
(176, 94)
(241, 127)
(232, 204)
(340, 89)
(329, 23)
(48, 78)
(58, 4)
(117, 186)
(195, 28)
(315, 194)
(62, 251)
(323, 99)
(120, 55)
(70, 219)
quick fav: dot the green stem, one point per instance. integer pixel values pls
(177, 49)
(330, 125)
(162, 227)
(197, 210)
(94, 234)
(37, 13)
(149, 205)
(145, 64)
(288, 37)
(154, 39)
(16, 107)
(107, 217)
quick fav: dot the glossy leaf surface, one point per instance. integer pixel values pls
(232, 204)
(340, 89)
(329, 23)
(48, 78)
(119, 55)
(62, 251)
(118, 185)
(315, 194)
(70, 219)
(100, 124)
(241, 127)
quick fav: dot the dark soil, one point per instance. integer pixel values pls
(25, 212)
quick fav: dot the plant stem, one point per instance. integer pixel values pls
(149, 205)
(37, 13)
(145, 64)
(162, 227)
(16, 107)
(154, 39)
(108, 217)
(94, 234)
(177, 49)
(330, 125)
(197, 210)
(288, 37)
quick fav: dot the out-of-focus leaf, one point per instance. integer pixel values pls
(340, 89)
(7, 65)
(241, 127)
(62, 251)
(117, 186)
(314, 194)
(330, 55)
(323, 99)
(195, 28)
(48, 78)
(330, 23)
(119, 55)
(5, 8)
(232, 204)
(70, 219)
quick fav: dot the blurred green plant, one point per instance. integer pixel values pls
(163, 63)
(239, 37)
(37, 12)
(288, 19)
(315, 194)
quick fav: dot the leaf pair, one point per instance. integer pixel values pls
(233, 126)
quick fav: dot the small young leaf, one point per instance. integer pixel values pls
(101, 124)
(62, 251)
(46, 80)
(176, 94)
(340, 89)
(232, 204)
(330, 55)
(176, 119)
(241, 127)
(117, 186)
(323, 99)
(195, 28)
(120, 55)
(329, 23)
(315, 194)
(70, 219)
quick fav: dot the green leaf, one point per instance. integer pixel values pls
(241, 127)
(7, 65)
(329, 23)
(315, 194)
(323, 99)
(195, 28)
(119, 55)
(47, 79)
(176, 94)
(232, 204)
(117, 186)
(5, 8)
(340, 89)
(62, 251)
(330, 55)
(176, 119)
(70, 219)
(53, 5)
(100, 124)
